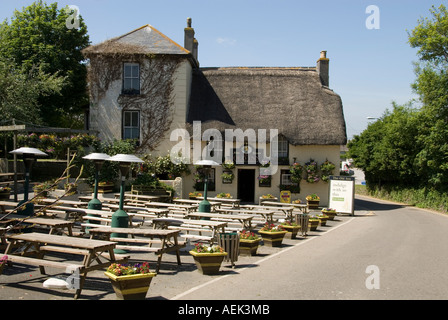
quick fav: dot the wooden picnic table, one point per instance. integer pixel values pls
(286, 210)
(97, 254)
(55, 225)
(192, 225)
(172, 206)
(267, 214)
(86, 199)
(245, 220)
(234, 202)
(168, 240)
(91, 214)
(8, 204)
(301, 206)
(75, 204)
(214, 204)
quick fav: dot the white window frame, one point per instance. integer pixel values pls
(133, 77)
(132, 126)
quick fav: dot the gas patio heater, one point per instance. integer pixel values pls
(204, 205)
(98, 159)
(120, 218)
(29, 155)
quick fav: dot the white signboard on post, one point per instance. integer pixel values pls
(342, 194)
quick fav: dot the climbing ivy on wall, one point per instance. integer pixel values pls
(155, 100)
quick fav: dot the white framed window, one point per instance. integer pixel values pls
(285, 178)
(283, 147)
(131, 125)
(131, 78)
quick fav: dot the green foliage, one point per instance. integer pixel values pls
(21, 88)
(408, 147)
(37, 37)
(56, 146)
(163, 167)
(110, 169)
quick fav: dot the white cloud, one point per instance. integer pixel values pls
(226, 41)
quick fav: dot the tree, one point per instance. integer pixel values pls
(20, 90)
(38, 36)
(431, 38)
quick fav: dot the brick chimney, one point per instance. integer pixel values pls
(190, 42)
(323, 66)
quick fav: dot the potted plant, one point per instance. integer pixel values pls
(313, 201)
(292, 228)
(130, 282)
(313, 223)
(5, 193)
(208, 259)
(105, 186)
(323, 219)
(272, 235)
(249, 243)
(264, 180)
(224, 195)
(267, 197)
(296, 172)
(326, 170)
(311, 172)
(331, 213)
(227, 177)
(3, 262)
(194, 195)
(228, 165)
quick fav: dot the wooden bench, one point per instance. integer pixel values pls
(192, 225)
(168, 240)
(41, 263)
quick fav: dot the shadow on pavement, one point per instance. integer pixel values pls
(363, 204)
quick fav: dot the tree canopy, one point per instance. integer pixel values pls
(38, 38)
(409, 146)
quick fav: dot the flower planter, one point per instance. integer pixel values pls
(292, 231)
(313, 204)
(323, 220)
(249, 247)
(330, 214)
(106, 187)
(208, 263)
(272, 239)
(131, 287)
(313, 224)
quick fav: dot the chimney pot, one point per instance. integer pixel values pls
(323, 68)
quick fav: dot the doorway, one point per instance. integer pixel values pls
(246, 185)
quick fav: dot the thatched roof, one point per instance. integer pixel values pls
(144, 40)
(291, 100)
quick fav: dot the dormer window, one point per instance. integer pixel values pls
(131, 78)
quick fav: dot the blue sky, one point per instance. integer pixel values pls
(369, 68)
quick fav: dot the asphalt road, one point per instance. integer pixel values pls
(385, 252)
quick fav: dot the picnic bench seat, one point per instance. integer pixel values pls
(67, 266)
(186, 226)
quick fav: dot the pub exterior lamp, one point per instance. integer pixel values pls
(204, 205)
(29, 155)
(120, 218)
(98, 159)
